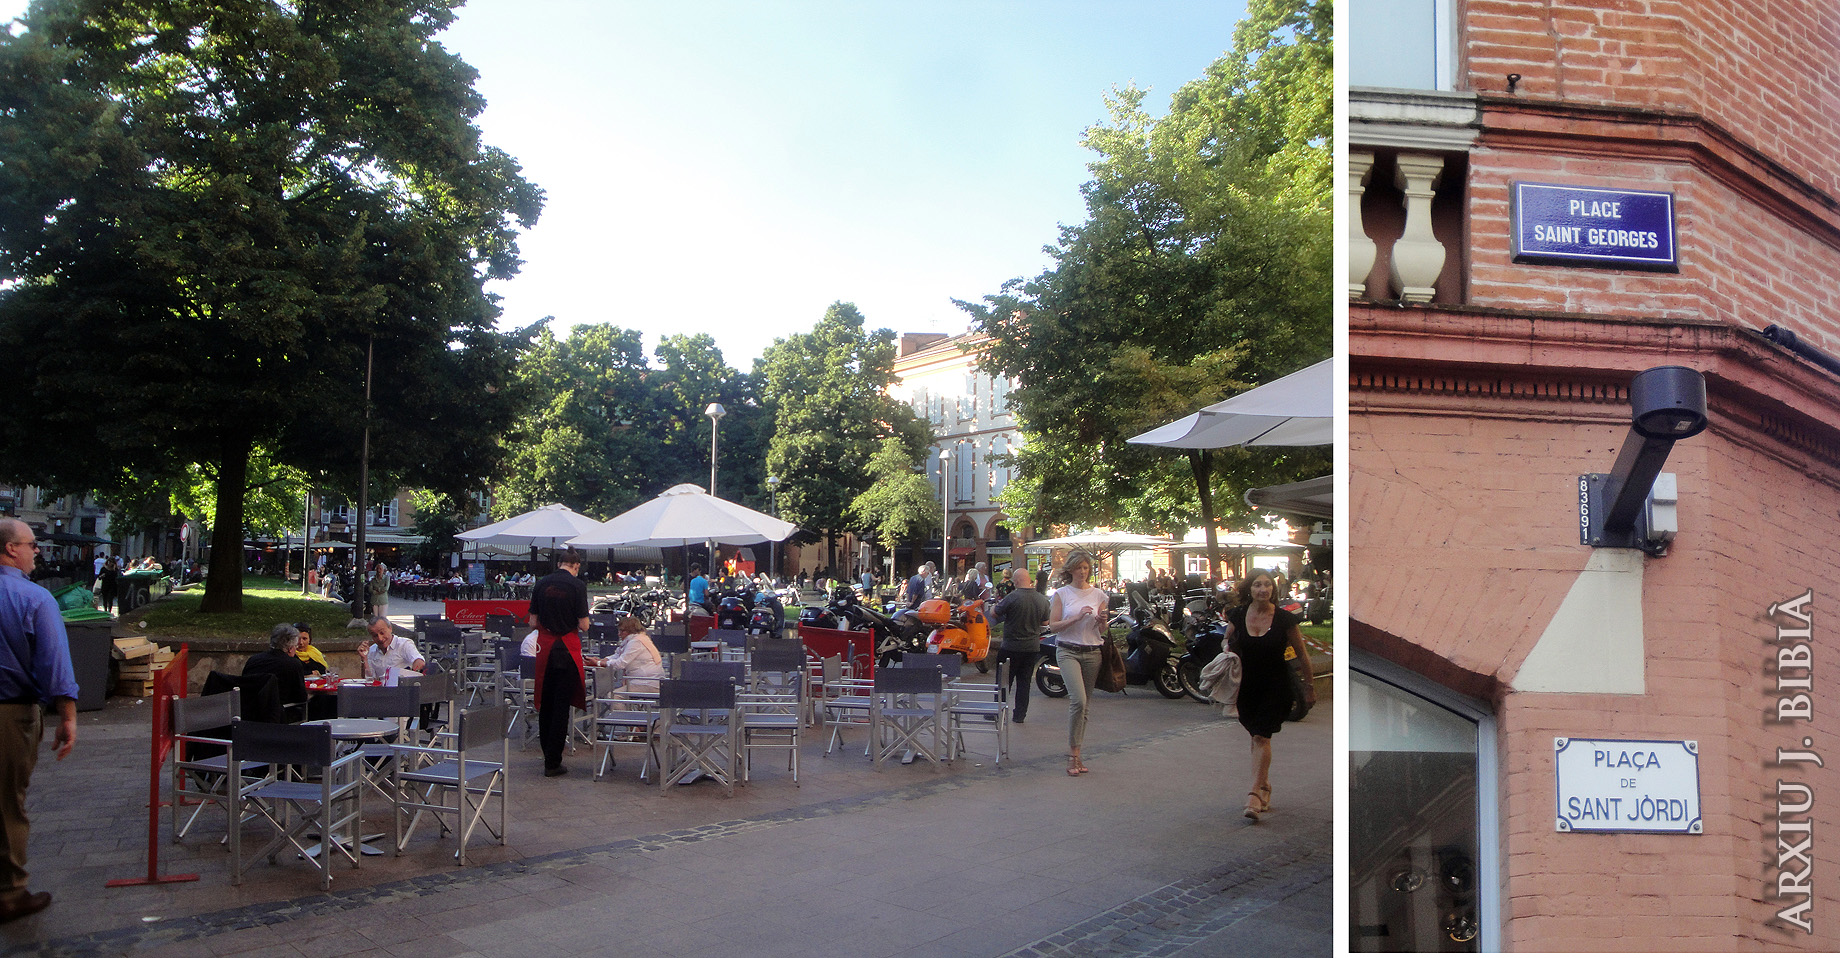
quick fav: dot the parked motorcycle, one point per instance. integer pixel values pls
(1048, 678)
(894, 635)
(1150, 658)
(768, 617)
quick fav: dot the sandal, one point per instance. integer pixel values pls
(1252, 806)
(1265, 798)
(1073, 766)
(1083, 768)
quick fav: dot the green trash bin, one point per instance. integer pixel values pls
(139, 588)
(90, 647)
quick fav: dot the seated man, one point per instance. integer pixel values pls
(280, 662)
(386, 650)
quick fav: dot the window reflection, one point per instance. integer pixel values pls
(1412, 825)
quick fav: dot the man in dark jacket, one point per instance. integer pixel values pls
(281, 662)
(1023, 613)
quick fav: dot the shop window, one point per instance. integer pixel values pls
(1402, 44)
(1421, 799)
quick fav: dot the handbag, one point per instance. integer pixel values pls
(1111, 668)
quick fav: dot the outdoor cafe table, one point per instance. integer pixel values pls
(360, 730)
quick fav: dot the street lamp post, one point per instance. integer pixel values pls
(945, 507)
(715, 412)
(772, 555)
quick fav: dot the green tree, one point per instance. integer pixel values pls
(831, 412)
(899, 505)
(1203, 268)
(692, 376)
(580, 442)
(438, 516)
(241, 199)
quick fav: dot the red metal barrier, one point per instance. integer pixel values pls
(168, 684)
(856, 648)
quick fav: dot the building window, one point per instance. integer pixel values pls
(340, 514)
(964, 472)
(1421, 799)
(999, 396)
(384, 513)
(1402, 44)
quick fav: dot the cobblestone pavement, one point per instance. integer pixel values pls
(1146, 855)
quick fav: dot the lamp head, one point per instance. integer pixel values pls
(772, 482)
(714, 410)
(1668, 402)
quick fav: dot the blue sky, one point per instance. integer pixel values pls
(733, 167)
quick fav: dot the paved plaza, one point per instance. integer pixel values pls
(1146, 855)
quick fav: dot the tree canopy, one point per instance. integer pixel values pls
(831, 412)
(1203, 268)
(212, 209)
(605, 430)
(900, 505)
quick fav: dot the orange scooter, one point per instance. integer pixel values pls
(963, 629)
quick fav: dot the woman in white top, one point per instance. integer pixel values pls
(1076, 614)
(636, 657)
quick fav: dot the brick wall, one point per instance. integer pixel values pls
(1765, 71)
(1464, 453)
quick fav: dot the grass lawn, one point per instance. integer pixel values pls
(266, 601)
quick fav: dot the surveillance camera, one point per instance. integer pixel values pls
(1668, 402)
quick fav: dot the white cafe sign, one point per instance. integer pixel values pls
(1616, 785)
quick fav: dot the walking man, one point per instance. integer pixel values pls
(35, 676)
(1023, 613)
(559, 613)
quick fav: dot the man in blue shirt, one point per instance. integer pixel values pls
(35, 673)
(699, 587)
(916, 586)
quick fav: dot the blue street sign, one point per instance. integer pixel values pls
(1588, 226)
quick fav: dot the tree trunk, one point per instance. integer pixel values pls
(223, 588)
(1201, 461)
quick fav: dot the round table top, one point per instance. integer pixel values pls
(358, 728)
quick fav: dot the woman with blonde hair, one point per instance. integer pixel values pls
(1076, 614)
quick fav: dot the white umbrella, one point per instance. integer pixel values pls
(1297, 410)
(1107, 542)
(684, 514)
(554, 522)
(1314, 498)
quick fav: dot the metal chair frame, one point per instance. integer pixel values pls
(697, 718)
(978, 708)
(424, 775)
(844, 701)
(897, 719)
(277, 800)
(403, 703)
(623, 718)
(205, 779)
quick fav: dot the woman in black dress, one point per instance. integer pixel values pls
(1258, 632)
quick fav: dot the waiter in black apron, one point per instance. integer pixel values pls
(559, 613)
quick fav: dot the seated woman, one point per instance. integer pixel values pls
(636, 658)
(311, 658)
(280, 661)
